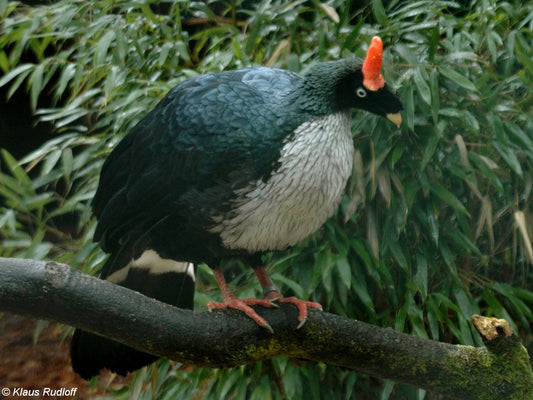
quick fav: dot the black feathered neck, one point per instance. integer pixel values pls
(333, 86)
(317, 92)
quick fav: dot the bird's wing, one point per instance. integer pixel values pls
(213, 133)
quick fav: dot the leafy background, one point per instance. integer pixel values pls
(436, 224)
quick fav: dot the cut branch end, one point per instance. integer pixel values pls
(491, 328)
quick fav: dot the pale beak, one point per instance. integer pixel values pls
(395, 118)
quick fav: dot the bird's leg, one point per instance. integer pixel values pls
(232, 301)
(270, 292)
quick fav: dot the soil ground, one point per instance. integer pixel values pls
(45, 363)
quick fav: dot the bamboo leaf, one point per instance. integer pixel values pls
(449, 198)
(520, 220)
(17, 82)
(433, 225)
(457, 78)
(430, 150)
(384, 185)
(397, 252)
(102, 48)
(409, 112)
(510, 157)
(379, 12)
(330, 12)
(361, 290)
(4, 62)
(15, 72)
(435, 94)
(36, 85)
(422, 273)
(50, 161)
(345, 271)
(422, 86)
(372, 234)
(14, 167)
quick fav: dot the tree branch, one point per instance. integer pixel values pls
(49, 290)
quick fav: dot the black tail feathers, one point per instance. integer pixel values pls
(166, 280)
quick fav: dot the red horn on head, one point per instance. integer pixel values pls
(372, 78)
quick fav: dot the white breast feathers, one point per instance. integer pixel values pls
(300, 196)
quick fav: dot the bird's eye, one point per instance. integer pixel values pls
(360, 92)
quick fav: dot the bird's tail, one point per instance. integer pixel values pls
(166, 280)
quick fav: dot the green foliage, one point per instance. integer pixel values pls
(436, 225)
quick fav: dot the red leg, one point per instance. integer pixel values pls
(231, 301)
(271, 293)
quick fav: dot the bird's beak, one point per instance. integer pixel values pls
(395, 118)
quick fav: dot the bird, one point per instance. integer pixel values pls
(229, 164)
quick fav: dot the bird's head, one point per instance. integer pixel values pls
(356, 83)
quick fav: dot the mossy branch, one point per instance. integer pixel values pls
(220, 339)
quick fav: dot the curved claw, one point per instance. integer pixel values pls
(302, 322)
(302, 306)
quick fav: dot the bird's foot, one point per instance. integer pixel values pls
(301, 305)
(244, 306)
